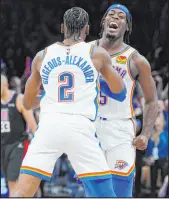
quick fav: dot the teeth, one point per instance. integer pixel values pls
(113, 24)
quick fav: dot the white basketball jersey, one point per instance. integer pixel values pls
(70, 80)
(113, 109)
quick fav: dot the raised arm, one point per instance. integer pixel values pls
(33, 83)
(103, 64)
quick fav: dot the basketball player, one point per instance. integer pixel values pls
(13, 125)
(115, 127)
(69, 72)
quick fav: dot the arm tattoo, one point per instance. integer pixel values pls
(150, 114)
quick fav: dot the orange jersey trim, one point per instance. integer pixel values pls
(98, 87)
(36, 170)
(134, 127)
(94, 174)
(128, 62)
(133, 80)
(122, 173)
(123, 51)
(131, 99)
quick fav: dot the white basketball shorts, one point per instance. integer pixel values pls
(116, 137)
(70, 134)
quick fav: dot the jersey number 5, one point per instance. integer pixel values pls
(103, 99)
(66, 80)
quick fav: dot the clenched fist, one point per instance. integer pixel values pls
(140, 142)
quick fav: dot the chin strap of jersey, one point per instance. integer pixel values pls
(106, 90)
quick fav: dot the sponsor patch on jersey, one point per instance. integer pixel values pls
(121, 59)
(120, 164)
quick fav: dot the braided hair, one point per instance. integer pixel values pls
(75, 20)
(127, 33)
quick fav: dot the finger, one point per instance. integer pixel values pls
(140, 145)
(134, 142)
(141, 148)
(139, 141)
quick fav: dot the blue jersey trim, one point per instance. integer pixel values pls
(127, 178)
(96, 98)
(43, 94)
(92, 51)
(106, 90)
(129, 65)
(95, 177)
(33, 173)
(120, 52)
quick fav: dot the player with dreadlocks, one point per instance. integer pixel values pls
(69, 72)
(115, 125)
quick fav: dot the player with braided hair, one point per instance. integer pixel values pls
(75, 19)
(115, 125)
(69, 72)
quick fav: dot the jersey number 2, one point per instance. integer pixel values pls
(67, 84)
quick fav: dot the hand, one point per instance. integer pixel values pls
(140, 142)
(158, 78)
(150, 161)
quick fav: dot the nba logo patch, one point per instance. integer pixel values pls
(121, 59)
(4, 114)
(68, 51)
(120, 164)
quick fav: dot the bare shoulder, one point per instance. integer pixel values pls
(37, 61)
(100, 53)
(101, 58)
(140, 62)
(19, 102)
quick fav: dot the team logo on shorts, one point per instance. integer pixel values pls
(120, 164)
(121, 59)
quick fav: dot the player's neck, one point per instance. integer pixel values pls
(70, 41)
(112, 46)
(6, 96)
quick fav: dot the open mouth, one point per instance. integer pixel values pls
(113, 25)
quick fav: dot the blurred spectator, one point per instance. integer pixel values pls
(163, 192)
(3, 67)
(166, 114)
(157, 152)
(15, 84)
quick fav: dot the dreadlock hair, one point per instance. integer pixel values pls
(127, 33)
(75, 19)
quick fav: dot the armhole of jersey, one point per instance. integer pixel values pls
(44, 53)
(129, 66)
(16, 99)
(91, 51)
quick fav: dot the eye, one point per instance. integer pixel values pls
(121, 17)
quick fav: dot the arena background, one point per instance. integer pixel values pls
(28, 26)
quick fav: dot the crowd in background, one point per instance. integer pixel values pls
(29, 26)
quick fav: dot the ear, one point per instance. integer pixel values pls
(87, 30)
(62, 28)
